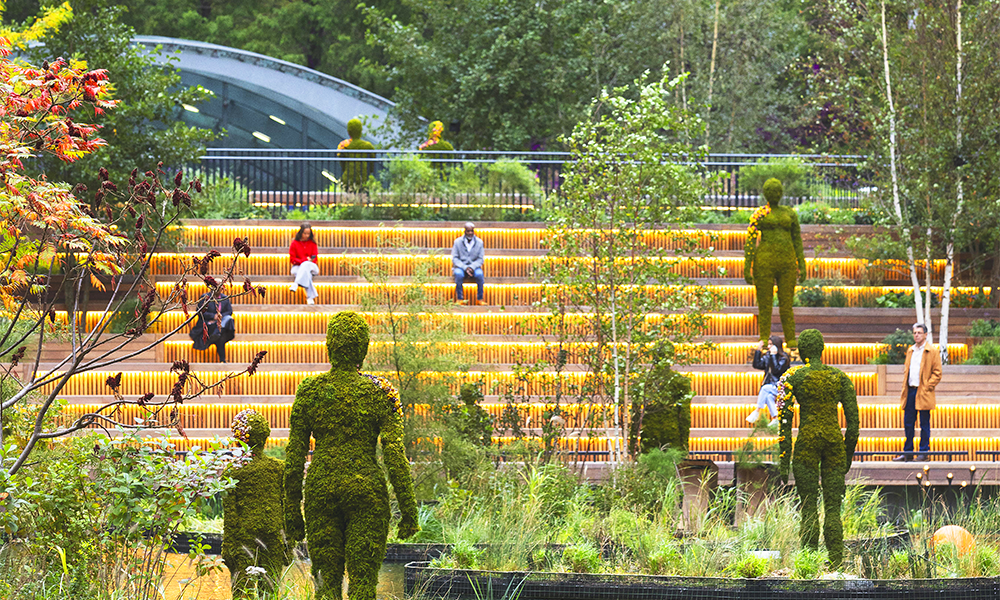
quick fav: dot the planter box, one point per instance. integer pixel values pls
(458, 584)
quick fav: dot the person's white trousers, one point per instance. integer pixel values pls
(303, 275)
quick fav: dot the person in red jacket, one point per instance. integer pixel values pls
(304, 256)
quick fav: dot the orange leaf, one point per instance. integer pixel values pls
(94, 281)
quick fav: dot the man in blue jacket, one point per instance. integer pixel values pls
(467, 254)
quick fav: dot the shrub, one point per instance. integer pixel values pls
(814, 213)
(894, 350)
(512, 177)
(984, 328)
(987, 353)
(749, 566)
(409, 175)
(225, 199)
(582, 557)
(466, 555)
(837, 298)
(812, 295)
(897, 566)
(807, 563)
(792, 172)
(965, 300)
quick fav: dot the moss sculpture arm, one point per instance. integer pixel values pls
(849, 402)
(797, 243)
(398, 467)
(786, 414)
(295, 461)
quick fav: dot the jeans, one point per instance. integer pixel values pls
(460, 279)
(910, 419)
(303, 274)
(766, 396)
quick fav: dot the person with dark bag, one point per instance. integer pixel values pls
(774, 364)
(214, 324)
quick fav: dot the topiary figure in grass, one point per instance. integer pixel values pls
(820, 449)
(662, 414)
(778, 257)
(253, 526)
(356, 172)
(346, 498)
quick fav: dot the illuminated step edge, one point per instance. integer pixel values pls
(267, 382)
(314, 351)
(729, 444)
(706, 420)
(402, 265)
(503, 294)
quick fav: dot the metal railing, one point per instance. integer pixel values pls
(305, 178)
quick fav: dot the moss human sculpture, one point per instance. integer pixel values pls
(777, 258)
(346, 498)
(820, 450)
(356, 172)
(472, 420)
(253, 527)
(665, 407)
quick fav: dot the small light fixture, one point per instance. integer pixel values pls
(964, 483)
(260, 136)
(190, 108)
(277, 120)
(927, 468)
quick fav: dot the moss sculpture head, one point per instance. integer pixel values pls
(251, 428)
(354, 128)
(811, 344)
(347, 340)
(773, 191)
(470, 394)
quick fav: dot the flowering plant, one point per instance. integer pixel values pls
(436, 130)
(241, 425)
(754, 227)
(389, 389)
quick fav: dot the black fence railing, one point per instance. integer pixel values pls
(306, 178)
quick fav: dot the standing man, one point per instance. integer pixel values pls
(467, 256)
(921, 374)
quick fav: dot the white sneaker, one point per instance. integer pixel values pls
(310, 301)
(773, 422)
(752, 417)
(293, 288)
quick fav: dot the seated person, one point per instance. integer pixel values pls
(214, 324)
(303, 254)
(467, 255)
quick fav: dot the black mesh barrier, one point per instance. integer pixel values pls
(457, 584)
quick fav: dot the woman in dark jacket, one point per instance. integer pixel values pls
(214, 324)
(774, 364)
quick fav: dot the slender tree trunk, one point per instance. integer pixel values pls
(949, 257)
(901, 222)
(711, 70)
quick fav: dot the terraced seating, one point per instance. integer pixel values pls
(510, 330)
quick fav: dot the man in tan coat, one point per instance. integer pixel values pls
(921, 374)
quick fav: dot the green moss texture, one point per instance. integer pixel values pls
(356, 172)
(665, 409)
(472, 420)
(346, 498)
(820, 451)
(253, 527)
(777, 258)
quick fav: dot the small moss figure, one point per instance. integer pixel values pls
(665, 409)
(346, 498)
(355, 172)
(820, 450)
(253, 527)
(778, 257)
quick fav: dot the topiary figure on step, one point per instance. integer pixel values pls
(435, 142)
(661, 414)
(472, 420)
(346, 498)
(253, 524)
(355, 172)
(778, 257)
(820, 450)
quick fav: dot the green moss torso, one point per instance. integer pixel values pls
(253, 520)
(356, 173)
(776, 245)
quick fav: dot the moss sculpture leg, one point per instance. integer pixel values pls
(786, 296)
(366, 535)
(240, 581)
(806, 469)
(326, 550)
(764, 276)
(834, 466)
